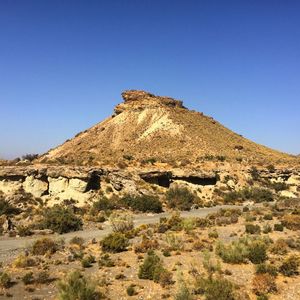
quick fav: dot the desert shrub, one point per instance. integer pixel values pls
(43, 277)
(279, 186)
(257, 252)
(162, 276)
(210, 265)
(87, 261)
(264, 284)
(278, 227)
(43, 246)
(255, 194)
(280, 247)
(130, 290)
(180, 198)
(200, 245)
(268, 217)
(24, 230)
(215, 288)
(142, 203)
(76, 240)
(267, 229)
(266, 268)
(174, 223)
(28, 278)
(103, 204)
(239, 251)
(6, 208)
(153, 269)
(150, 264)
(262, 297)
(76, 286)
(146, 245)
(213, 234)
(260, 195)
(61, 219)
(106, 261)
(254, 173)
(183, 292)
(188, 224)
(5, 280)
(290, 265)
(115, 242)
(121, 222)
(252, 229)
(174, 242)
(23, 261)
(234, 253)
(291, 221)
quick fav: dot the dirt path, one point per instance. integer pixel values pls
(10, 247)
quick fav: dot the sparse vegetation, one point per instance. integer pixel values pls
(76, 286)
(61, 219)
(115, 242)
(143, 203)
(180, 198)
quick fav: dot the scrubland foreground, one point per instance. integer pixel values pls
(248, 253)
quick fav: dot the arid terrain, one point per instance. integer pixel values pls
(155, 202)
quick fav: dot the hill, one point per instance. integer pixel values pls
(146, 127)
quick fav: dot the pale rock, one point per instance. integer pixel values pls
(77, 185)
(10, 186)
(287, 194)
(34, 186)
(231, 184)
(57, 185)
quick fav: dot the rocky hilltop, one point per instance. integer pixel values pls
(148, 145)
(148, 127)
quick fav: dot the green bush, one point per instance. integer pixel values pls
(183, 292)
(24, 231)
(278, 227)
(252, 229)
(76, 240)
(106, 261)
(149, 266)
(87, 261)
(255, 194)
(5, 280)
(245, 248)
(122, 223)
(215, 288)
(43, 277)
(153, 269)
(103, 204)
(6, 208)
(76, 286)
(115, 242)
(267, 229)
(28, 278)
(143, 203)
(130, 290)
(266, 268)
(234, 253)
(61, 219)
(257, 252)
(290, 266)
(180, 198)
(43, 246)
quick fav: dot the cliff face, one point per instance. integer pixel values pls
(149, 127)
(54, 184)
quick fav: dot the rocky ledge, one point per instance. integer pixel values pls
(138, 100)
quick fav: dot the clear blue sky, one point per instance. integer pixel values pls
(63, 65)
